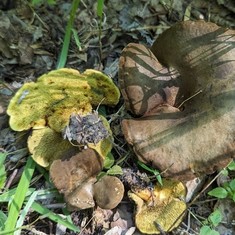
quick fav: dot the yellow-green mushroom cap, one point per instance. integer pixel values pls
(163, 210)
(47, 145)
(56, 95)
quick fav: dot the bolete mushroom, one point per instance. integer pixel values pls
(163, 210)
(51, 104)
(108, 192)
(75, 177)
(187, 123)
(56, 95)
(68, 136)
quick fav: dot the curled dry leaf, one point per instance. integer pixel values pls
(192, 133)
(162, 210)
(56, 95)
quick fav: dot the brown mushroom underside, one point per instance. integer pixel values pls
(197, 137)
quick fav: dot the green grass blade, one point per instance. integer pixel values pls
(76, 38)
(65, 48)
(54, 217)
(2, 170)
(24, 212)
(100, 6)
(18, 200)
(3, 219)
(7, 196)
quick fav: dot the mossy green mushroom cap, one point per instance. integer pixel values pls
(55, 96)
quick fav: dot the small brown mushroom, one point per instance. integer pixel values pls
(108, 192)
(75, 177)
(188, 123)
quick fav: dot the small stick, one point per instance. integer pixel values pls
(189, 98)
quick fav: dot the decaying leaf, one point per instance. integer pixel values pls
(85, 129)
(163, 210)
(55, 96)
(195, 135)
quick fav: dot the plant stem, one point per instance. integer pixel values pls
(64, 52)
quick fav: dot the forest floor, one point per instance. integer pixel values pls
(31, 39)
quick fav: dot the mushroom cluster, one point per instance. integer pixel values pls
(68, 136)
(181, 92)
(78, 182)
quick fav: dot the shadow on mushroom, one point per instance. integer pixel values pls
(192, 132)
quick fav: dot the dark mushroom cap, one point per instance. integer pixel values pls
(108, 192)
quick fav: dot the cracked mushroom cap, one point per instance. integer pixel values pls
(108, 192)
(163, 210)
(56, 95)
(194, 134)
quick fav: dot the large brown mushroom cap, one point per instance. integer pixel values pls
(198, 137)
(138, 65)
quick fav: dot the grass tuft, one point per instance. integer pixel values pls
(19, 197)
